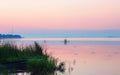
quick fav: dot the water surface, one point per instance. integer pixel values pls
(83, 56)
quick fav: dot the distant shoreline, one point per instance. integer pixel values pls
(10, 36)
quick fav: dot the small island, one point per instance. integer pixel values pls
(6, 36)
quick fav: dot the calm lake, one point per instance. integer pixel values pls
(82, 56)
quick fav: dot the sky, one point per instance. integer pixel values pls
(32, 16)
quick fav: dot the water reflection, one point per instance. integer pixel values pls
(62, 69)
(34, 72)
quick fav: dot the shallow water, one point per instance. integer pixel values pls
(92, 56)
(89, 59)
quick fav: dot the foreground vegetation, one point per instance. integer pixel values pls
(33, 58)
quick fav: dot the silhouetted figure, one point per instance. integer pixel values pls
(65, 41)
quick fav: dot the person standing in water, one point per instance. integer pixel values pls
(65, 41)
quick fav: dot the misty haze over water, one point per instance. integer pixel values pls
(71, 34)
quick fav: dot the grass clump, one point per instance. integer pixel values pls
(11, 53)
(35, 57)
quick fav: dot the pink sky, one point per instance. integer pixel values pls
(29, 15)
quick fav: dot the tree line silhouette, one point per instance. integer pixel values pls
(2, 36)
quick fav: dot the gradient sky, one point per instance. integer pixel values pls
(31, 15)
